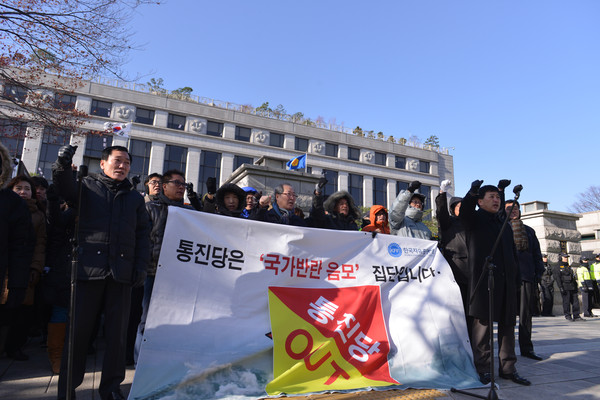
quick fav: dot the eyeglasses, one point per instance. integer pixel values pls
(291, 195)
(154, 183)
(177, 183)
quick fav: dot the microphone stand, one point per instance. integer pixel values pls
(489, 267)
(83, 170)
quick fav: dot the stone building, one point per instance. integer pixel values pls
(209, 138)
(589, 227)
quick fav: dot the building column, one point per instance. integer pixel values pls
(289, 142)
(157, 158)
(367, 191)
(391, 192)
(32, 146)
(192, 165)
(226, 166)
(79, 141)
(228, 131)
(343, 180)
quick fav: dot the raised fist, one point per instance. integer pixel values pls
(445, 185)
(503, 183)
(475, 185)
(65, 155)
(414, 185)
(211, 185)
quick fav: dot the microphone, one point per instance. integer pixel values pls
(517, 189)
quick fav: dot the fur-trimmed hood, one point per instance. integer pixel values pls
(220, 197)
(329, 204)
(6, 166)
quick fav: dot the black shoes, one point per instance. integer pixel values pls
(516, 378)
(568, 318)
(532, 355)
(485, 378)
(578, 319)
(590, 315)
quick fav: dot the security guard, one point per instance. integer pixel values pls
(586, 286)
(595, 275)
(567, 283)
(547, 287)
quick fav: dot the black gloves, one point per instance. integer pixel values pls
(211, 185)
(65, 155)
(189, 187)
(319, 186)
(414, 185)
(139, 277)
(52, 193)
(475, 185)
(503, 183)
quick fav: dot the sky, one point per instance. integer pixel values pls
(512, 87)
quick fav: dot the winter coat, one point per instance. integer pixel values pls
(220, 199)
(114, 226)
(377, 226)
(38, 219)
(482, 228)
(405, 220)
(547, 278)
(273, 215)
(565, 277)
(453, 240)
(323, 213)
(531, 266)
(158, 211)
(16, 232)
(57, 283)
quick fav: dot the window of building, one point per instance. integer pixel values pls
(101, 108)
(426, 190)
(52, 140)
(175, 121)
(355, 187)
(140, 163)
(12, 136)
(400, 186)
(94, 144)
(380, 191)
(210, 166)
(175, 158)
(15, 93)
(242, 133)
(331, 149)
(332, 181)
(144, 116)
(380, 159)
(301, 144)
(400, 162)
(214, 128)
(276, 139)
(239, 160)
(424, 166)
(353, 153)
(64, 101)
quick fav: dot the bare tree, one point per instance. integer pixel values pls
(589, 200)
(47, 47)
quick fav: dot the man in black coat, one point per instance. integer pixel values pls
(453, 241)
(16, 241)
(530, 269)
(114, 251)
(282, 211)
(339, 212)
(547, 288)
(482, 226)
(173, 189)
(566, 281)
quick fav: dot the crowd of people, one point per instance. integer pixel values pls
(111, 235)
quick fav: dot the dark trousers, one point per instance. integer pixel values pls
(547, 299)
(148, 286)
(570, 297)
(527, 300)
(93, 298)
(480, 343)
(586, 301)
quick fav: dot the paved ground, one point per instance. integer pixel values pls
(570, 369)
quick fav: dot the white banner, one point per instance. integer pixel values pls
(209, 334)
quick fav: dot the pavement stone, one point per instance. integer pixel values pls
(571, 351)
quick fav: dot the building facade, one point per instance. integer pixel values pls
(207, 138)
